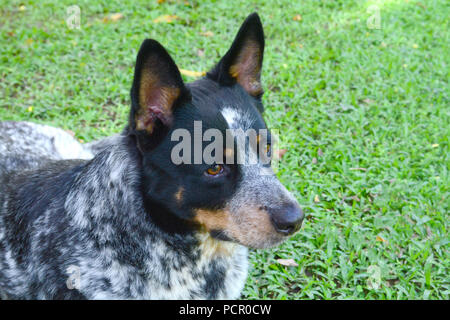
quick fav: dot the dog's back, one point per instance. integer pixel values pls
(26, 145)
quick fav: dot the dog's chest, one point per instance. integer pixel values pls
(211, 278)
(166, 275)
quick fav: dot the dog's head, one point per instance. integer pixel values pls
(196, 141)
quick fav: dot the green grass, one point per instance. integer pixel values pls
(363, 112)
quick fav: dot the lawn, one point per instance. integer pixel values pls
(362, 107)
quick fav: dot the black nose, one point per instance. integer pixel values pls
(287, 219)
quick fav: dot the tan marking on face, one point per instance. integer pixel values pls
(247, 70)
(213, 220)
(179, 195)
(250, 226)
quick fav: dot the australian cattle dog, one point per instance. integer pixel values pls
(135, 216)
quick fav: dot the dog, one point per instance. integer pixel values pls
(118, 219)
(28, 145)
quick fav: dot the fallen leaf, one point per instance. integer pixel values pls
(29, 41)
(116, 16)
(380, 239)
(346, 107)
(297, 17)
(71, 133)
(190, 73)
(287, 262)
(207, 34)
(391, 282)
(201, 52)
(281, 153)
(113, 17)
(421, 5)
(320, 152)
(167, 18)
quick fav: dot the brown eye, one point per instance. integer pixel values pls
(214, 170)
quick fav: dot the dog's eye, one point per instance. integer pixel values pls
(214, 170)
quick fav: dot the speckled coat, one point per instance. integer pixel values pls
(78, 229)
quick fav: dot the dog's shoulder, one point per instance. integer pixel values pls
(28, 194)
(48, 180)
(32, 222)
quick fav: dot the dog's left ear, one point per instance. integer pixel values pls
(243, 61)
(157, 90)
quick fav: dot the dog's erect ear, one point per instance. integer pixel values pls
(157, 89)
(243, 61)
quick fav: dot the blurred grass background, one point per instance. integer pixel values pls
(363, 112)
